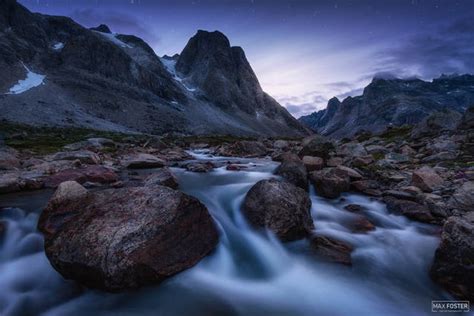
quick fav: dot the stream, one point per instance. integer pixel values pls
(249, 273)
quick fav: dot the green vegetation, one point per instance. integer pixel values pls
(44, 140)
(396, 132)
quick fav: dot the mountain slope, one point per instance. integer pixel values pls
(392, 102)
(59, 73)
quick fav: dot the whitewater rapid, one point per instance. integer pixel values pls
(250, 272)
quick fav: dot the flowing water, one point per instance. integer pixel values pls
(250, 272)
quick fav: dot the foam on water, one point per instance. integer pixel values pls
(250, 272)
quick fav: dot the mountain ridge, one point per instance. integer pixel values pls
(392, 101)
(97, 79)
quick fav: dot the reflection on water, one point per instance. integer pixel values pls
(250, 273)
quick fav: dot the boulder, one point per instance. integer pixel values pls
(244, 148)
(463, 198)
(175, 154)
(201, 167)
(119, 239)
(354, 208)
(94, 174)
(362, 161)
(163, 177)
(93, 144)
(361, 225)
(334, 161)
(453, 262)
(9, 182)
(313, 163)
(329, 183)
(84, 156)
(293, 171)
(316, 145)
(351, 149)
(426, 179)
(281, 144)
(331, 249)
(348, 172)
(410, 209)
(8, 159)
(143, 161)
(281, 207)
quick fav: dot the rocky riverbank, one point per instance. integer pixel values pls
(109, 187)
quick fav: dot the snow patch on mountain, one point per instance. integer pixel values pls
(113, 38)
(58, 46)
(170, 65)
(32, 80)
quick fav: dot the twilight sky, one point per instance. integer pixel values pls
(303, 52)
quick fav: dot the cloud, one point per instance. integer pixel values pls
(446, 50)
(118, 22)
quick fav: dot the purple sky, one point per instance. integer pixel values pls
(303, 52)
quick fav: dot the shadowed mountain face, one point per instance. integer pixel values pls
(392, 102)
(56, 72)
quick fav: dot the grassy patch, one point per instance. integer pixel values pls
(44, 140)
(396, 132)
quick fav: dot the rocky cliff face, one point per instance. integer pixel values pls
(387, 102)
(56, 72)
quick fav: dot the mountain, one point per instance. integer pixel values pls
(391, 101)
(58, 73)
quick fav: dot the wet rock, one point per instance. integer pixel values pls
(8, 159)
(331, 249)
(370, 187)
(84, 156)
(285, 156)
(426, 179)
(175, 154)
(313, 163)
(126, 238)
(354, 208)
(163, 177)
(361, 225)
(201, 167)
(410, 209)
(330, 183)
(293, 171)
(453, 261)
(281, 207)
(235, 167)
(463, 198)
(403, 195)
(316, 145)
(143, 161)
(94, 174)
(244, 148)
(14, 181)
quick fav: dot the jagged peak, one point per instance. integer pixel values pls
(102, 28)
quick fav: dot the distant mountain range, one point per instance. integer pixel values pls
(56, 72)
(392, 101)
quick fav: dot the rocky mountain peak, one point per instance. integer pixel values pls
(102, 28)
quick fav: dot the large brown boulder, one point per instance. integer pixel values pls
(454, 259)
(293, 171)
(331, 249)
(316, 145)
(95, 174)
(281, 207)
(330, 183)
(125, 238)
(426, 179)
(313, 163)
